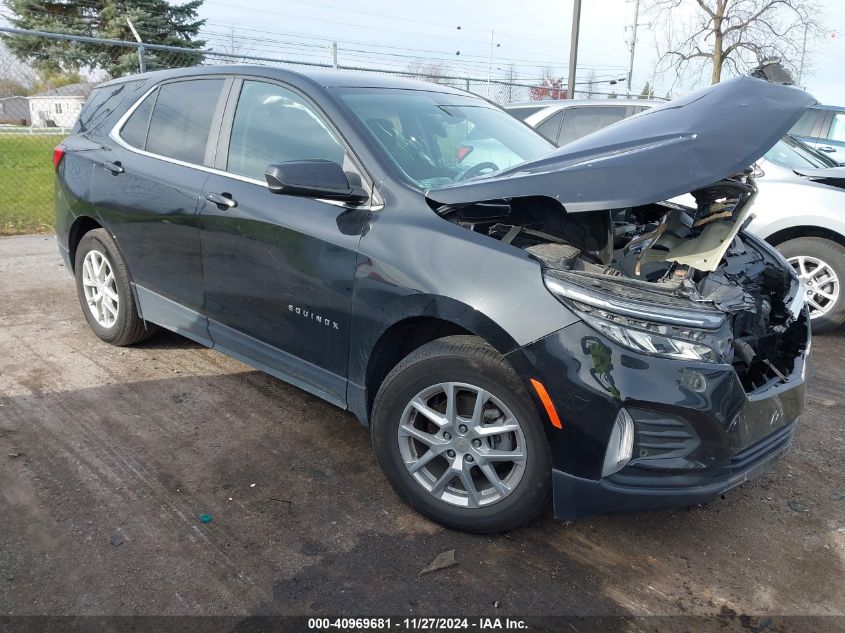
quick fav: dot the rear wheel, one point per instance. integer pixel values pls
(105, 294)
(820, 264)
(459, 439)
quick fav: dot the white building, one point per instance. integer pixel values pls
(52, 108)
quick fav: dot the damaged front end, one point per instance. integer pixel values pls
(685, 375)
(665, 279)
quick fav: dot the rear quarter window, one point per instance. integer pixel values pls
(524, 113)
(806, 123)
(104, 105)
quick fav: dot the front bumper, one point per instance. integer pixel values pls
(697, 432)
(577, 498)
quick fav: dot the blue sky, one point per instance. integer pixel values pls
(532, 34)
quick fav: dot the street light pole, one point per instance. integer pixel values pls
(573, 49)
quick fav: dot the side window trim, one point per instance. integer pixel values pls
(562, 115)
(154, 96)
(826, 119)
(217, 123)
(117, 132)
(212, 135)
(222, 154)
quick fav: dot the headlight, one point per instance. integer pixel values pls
(647, 327)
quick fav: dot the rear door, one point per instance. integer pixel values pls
(278, 268)
(147, 190)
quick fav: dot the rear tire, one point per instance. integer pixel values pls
(491, 433)
(809, 256)
(105, 293)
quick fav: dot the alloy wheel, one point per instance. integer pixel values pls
(100, 288)
(820, 282)
(462, 444)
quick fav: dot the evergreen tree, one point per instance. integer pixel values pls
(645, 93)
(157, 22)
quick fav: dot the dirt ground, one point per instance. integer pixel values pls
(109, 456)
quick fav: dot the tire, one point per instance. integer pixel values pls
(115, 322)
(468, 367)
(814, 250)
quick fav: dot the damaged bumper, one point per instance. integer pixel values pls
(577, 498)
(697, 431)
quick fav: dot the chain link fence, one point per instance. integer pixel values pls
(36, 113)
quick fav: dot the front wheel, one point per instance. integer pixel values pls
(820, 264)
(459, 439)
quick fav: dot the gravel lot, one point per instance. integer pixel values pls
(109, 456)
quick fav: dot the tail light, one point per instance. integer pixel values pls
(58, 153)
(463, 151)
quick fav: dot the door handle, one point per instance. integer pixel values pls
(115, 167)
(222, 200)
(827, 149)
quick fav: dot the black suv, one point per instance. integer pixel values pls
(542, 322)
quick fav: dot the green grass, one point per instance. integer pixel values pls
(26, 183)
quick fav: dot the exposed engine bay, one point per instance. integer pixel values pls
(667, 257)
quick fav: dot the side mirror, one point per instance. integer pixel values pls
(313, 179)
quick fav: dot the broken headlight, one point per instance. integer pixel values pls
(647, 328)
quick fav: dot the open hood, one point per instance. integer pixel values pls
(663, 152)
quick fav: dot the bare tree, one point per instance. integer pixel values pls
(733, 36)
(435, 72)
(510, 78)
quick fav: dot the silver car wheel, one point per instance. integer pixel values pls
(100, 288)
(820, 282)
(462, 444)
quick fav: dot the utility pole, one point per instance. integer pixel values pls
(573, 49)
(142, 57)
(633, 43)
(334, 54)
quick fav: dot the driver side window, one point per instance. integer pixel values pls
(272, 125)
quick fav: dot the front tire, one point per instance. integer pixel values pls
(460, 440)
(821, 265)
(105, 294)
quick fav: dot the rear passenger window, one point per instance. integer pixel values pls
(135, 129)
(181, 119)
(579, 122)
(273, 125)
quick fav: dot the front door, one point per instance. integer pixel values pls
(278, 269)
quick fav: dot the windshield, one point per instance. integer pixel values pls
(437, 139)
(793, 154)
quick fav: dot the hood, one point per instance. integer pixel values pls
(663, 152)
(833, 176)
